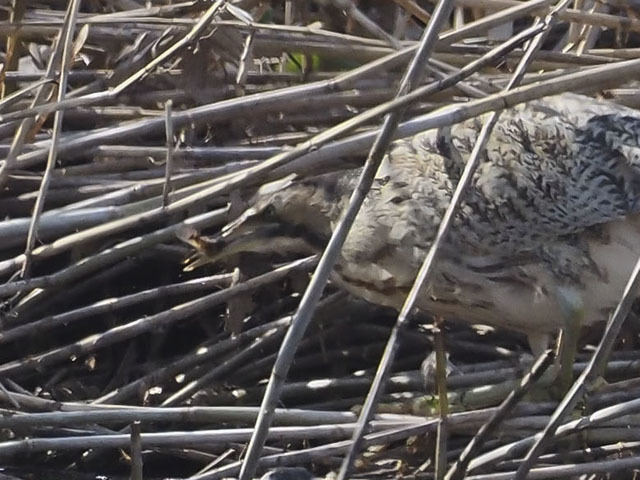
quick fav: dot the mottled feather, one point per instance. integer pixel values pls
(551, 215)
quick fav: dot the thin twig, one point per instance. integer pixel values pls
(267, 339)
(230, 108)
(366, 23)
(136, 451)
(109, 305)
(169, 158)
(436, 23)
(459, 468)
(443, 404)
(312, 294)
(590, 79)
(204, 353)
(65, 64)
(426, 269)
(27, 124)
(144, 324)
(188, 39)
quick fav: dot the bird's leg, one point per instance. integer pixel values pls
(538, 342)
(573, 308)
(561, 373)
(568, 346)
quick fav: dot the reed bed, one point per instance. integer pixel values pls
(124, 122)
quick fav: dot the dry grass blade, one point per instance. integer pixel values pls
(67, 56)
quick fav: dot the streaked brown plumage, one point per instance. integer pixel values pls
(549, 227)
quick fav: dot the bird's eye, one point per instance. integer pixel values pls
(270, 211)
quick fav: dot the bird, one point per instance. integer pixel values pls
(548, 232)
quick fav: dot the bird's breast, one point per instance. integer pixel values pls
(523, 293)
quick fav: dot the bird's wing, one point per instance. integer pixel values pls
(552, 167)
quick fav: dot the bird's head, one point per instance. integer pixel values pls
(283, 218)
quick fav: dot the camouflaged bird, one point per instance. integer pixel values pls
(548, 228)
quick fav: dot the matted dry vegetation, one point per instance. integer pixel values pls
(112, 357)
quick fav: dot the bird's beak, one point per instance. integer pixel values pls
(248, 233)
(240, 235)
